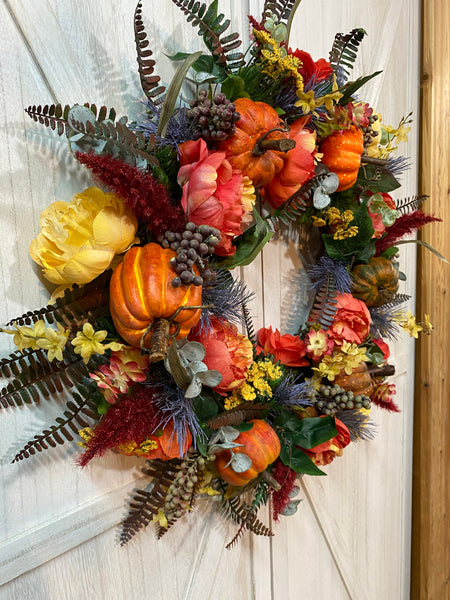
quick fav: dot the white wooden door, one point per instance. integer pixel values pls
(350, 538)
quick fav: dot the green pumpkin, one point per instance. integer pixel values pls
(375, 283)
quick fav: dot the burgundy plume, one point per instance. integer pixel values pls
(286, 478)
(405, 225)
(143, 194)
(133, 419)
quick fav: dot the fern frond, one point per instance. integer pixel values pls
(146, 503)
(410, 204)
(343, 53)
(238, 414)
(54, 116)
(245, 515)
(119, 136)
(81, 303)
(324, 307)
(297, 204)
(149, 82)
(249, 326)
(80, 413)
(33, 377)
(211, 26)
(282, 9)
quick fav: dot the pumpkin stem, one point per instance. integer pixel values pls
(159, 340)
(384, 371)
(280, 144)
(180, 308)
(371, 160)
(271, 480)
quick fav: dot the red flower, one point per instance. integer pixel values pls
(227, 351)
(312, 71)
(383, 347)
(288, 349)
(324, 453)
(213, 193)
(352, 320)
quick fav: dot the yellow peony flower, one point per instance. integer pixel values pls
(78, 239)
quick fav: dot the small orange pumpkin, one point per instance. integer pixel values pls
(141, 294)
(359, 381)
(342, 151)
(375, 283)
(260, 443)
(167, 445)
(257, 119)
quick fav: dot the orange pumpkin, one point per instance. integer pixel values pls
(375, 283)
(359, 381)
(168, 446)
(141, 295)
(260, 443)
(342, 151)
(257, 119)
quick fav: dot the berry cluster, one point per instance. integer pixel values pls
(214, 120)
(192, 247)
(368, 132)
(330, 399)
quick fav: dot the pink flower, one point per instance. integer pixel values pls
(318, 343)
(227, 351)
(310, 70)
(288, 349)
(351, 322)
(213, 193)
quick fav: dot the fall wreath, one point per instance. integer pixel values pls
(150, 333)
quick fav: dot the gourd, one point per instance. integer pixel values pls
(342, 151)
(144, 305)
(375, 283)
(260, 443)
(359, 381)
(256, 148)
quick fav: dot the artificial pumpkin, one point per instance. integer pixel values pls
(342, 151)
(143, 301)
(167, 445)
(260, 443)
(359, 381)
(245, 148)
(375, 283)
(298, 166)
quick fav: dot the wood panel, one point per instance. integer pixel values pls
(431, 522)
(79, 50)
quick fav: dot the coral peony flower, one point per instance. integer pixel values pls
(298, 167)
(288, 349)
(311, 71)
(324, 453)
(228, 352)
(352, 320)
(79, 239)
(214, 193)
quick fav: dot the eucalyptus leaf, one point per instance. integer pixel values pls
(192, 351)
(240, 462)
(211, 378)
(194, 389)
(80, 114)
(291, 508)
(228, 433)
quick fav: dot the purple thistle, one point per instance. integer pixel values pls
(291, 393)
(396, 165)
(326, 266)
(383, 317)
(227, 297)
(179, 128)
(357, 423)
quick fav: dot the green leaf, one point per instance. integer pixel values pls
(389, 252)
(426, 245)
(250, 243)
(173, 92)
(243, 427)
(308, 432)
(298, 461)
(376, 179)
(353, 86)
(205, 407)
(178, 56)
(234, 87)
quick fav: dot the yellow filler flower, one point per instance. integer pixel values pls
(79, 239)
